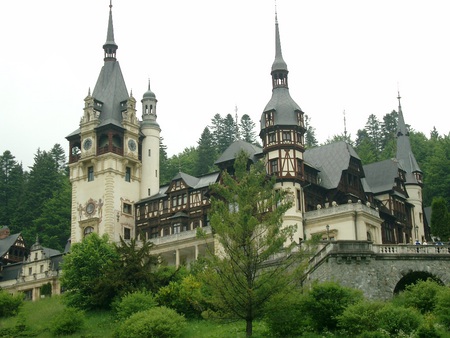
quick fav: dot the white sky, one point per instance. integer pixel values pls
(205, 56)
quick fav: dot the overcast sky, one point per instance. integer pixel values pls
(205, 57)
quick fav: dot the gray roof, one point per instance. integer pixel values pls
(404, 153)
(7, 243)
(253, 152)
(331, 159)
(11, 271)
(193, 182)
(111, 91)
(284, 107)
(381, 175)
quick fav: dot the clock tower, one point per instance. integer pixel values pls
(104, 160)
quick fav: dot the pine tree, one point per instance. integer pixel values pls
(248, 228)
(247, 129)
(310, 135)
(206, 153)
(11, 187)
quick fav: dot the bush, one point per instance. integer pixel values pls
(422, 296)
(442, 310)
(396, 319)
(68, 321)
(132, 303)
(183, 296)
(158, 322)
(284, 315)
(358, 318)
(326, 301)
(10, 304)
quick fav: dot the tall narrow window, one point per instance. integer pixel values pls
(128, 174)
(274, 166)
(126, 233)
(90, 174)
(149, 153)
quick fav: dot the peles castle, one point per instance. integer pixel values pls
(114, 170)
(115, 174)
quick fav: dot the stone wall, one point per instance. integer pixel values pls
(364, 266)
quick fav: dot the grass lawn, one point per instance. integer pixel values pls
(35, 320)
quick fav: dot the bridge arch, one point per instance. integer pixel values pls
(412, 277)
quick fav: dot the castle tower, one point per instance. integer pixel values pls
(282, 134)
(414, 176)
(150, 145)
(105, 169)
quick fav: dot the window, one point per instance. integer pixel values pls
(126, 233)
(149, 153)
(154, 232)
(286, 136)
(30, 271)
(176, 228)
(41, 268)
(274, 166)
(272, 138)
(127, 209)
(88, 230)
(90, 174)
(128, 174)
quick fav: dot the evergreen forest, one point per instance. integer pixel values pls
(37, 200)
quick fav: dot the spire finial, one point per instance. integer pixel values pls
(276, 13)
(110, 4)
(345, 126)
(149, 83)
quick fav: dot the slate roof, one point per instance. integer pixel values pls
(254, 152)
(381, 175)
(191, 181)
(330, 159)
(7, 242)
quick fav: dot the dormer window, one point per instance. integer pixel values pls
(269, 118)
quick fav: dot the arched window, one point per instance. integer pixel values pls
(88, 231)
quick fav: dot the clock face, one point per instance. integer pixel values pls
(87, 144)
(132, 145)
(90, 207)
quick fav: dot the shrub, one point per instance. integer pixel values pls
(358, 318)
(132, 303)
(397, 319)
(442, 310)
(183, 296)
(284, 315)
(10, 304)
(422, 296)
(68, 321)
(160, 322)
(326, 301)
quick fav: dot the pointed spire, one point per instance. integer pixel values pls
(404, 154)
(401, 125)
(110, 47)
(278, 63)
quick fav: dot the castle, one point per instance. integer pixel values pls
(114, 171)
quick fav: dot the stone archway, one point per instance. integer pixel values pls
(413, 277)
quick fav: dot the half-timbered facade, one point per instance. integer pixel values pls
(114, 170)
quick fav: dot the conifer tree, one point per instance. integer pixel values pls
(246, 218)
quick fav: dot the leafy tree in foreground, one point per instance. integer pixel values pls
(249, 232)
(83, 271)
